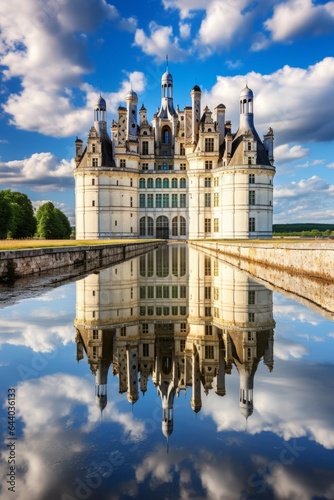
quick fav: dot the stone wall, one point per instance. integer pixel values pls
(303, 271)
(19, 263)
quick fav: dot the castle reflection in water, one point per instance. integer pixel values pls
(178, 316)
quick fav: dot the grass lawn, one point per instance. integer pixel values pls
(22, 244)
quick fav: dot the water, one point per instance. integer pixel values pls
(169, 376)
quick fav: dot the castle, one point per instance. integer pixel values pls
(184, 176)
(159, 317)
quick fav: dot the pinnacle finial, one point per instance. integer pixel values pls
(166, 62)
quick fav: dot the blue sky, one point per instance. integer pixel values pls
(56, 55)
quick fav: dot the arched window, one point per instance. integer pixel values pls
(174, 226)
(183, 183)
(165, 135)
(150, 182)
(158, 183)
(165, 183)
(142, 226)
(142, 183)
(183, 227)
(162, 227)
(150, 227)
(174, 182)
(162, 258)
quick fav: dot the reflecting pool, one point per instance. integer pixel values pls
(169, 376)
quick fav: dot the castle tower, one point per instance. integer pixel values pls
(196, 112)
(131, 125)
(100, 118)
(246, 181)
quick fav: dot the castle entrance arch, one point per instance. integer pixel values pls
(162, 227)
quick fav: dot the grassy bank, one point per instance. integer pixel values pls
(22, 244)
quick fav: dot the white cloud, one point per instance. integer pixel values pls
(160, 42)
(52, 443)
(45, 49)
(309, 200)
(40, 171)
(284, 153)
(223, 23)
(279, 101)
(296, 18)
(185, 30)
(304, 188)
(186, 7)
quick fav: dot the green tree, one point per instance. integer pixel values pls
(22, 223)
(5, 215)
(52, 223)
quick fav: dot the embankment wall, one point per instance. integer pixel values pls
(20, 263)
(304, 271)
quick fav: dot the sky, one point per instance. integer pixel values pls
(56, 56)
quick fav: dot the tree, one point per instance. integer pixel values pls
(5, 215)
(52, 223)
(22, 222)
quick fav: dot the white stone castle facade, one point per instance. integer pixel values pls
(184, 176)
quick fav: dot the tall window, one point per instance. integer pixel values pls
(149, 226)
(252, 197)
(209, 352)
(141, 201)
(183, 227)
(182, 201)
(145, 148)
(207, 265)
(183, 183)
(145, 350)
(207, 199)
(165, 200)
(165, 136)
(150, 183)
(93, 148)
(122, 163)
(182, 150)
(216, 225)
(165, 183)
(207, 225)
(150, 201)
(209, 145)
(251, 224)
(142, 183)
(142, 226)
(158, 183)
(251, 296)
(174, 200)
(216, 199)
(174, 226)
(251, 178)
(207, 182)
(158, 200)
(174, 182)
(208, 165)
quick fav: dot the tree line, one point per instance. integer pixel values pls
(310, 229)
(18, 220)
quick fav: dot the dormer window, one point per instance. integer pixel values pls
(95, 162)
(93, 148)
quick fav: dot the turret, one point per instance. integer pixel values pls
(246, 109)
(196, 112)
(78, 151)
(268, 142)
(100, 117)
(131, 106)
